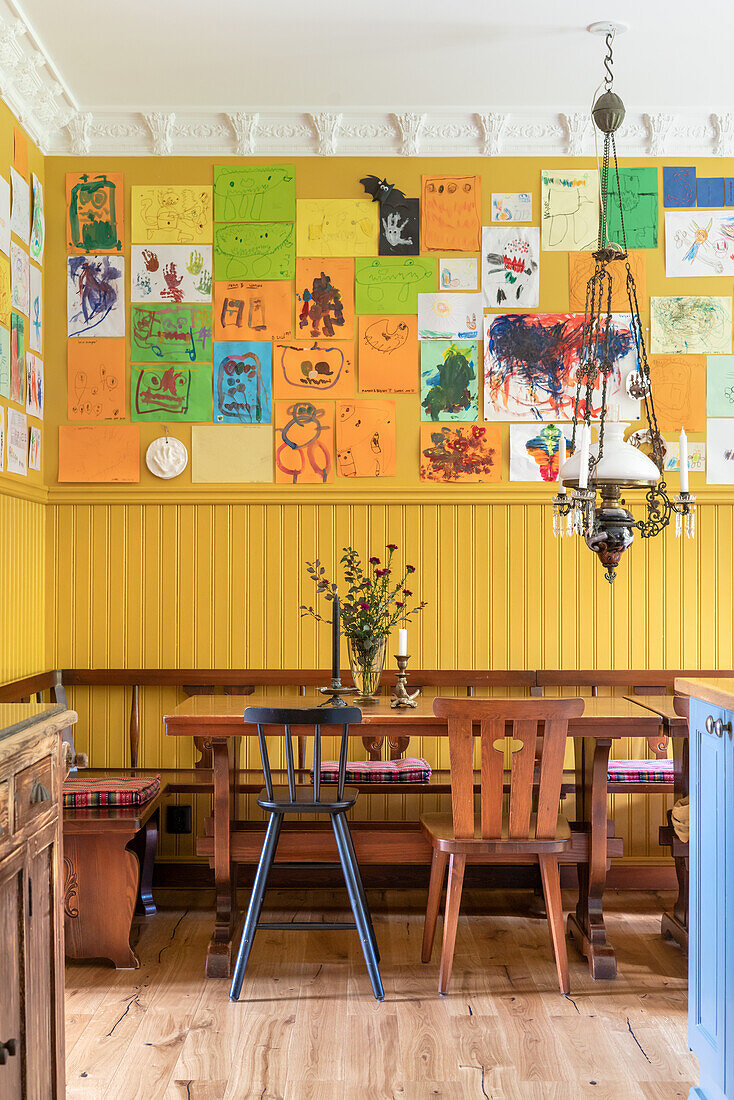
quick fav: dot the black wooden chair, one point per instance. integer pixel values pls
(319, 798)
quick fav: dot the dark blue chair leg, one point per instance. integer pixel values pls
(339, 826)
(360, 884)
(256, 902)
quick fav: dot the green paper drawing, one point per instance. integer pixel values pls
(254, 192)
(4, 363)
(262, 250)
(171, 333)
(160, 392)
(639, 207)
(449, 380)
(720, 385)
(392, 284)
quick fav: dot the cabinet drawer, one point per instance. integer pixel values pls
(34, 792)
(5, 823)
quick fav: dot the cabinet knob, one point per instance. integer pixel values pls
(8, 1049)
(722, 727)
(710, 724)
(39, 793)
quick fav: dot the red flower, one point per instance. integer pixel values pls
(374, 561)
(392, 546)
(410, 569)
(364, 606)
(407, 592)
(398, 603)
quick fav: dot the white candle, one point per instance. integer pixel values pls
(402, 642)
(683, 461)
(561, 460)
(584, 455)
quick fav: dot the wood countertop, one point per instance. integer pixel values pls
(715, 690)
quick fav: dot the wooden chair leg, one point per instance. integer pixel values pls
(551, 879)
(451, 920)
(435, 886)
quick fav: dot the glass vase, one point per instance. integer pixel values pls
(366, 660)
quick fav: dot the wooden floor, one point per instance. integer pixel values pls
(309, 1027)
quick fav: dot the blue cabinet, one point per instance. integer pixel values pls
(711, 950)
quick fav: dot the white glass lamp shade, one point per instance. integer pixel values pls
(621, 463)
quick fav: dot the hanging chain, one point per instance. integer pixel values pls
(609, 61)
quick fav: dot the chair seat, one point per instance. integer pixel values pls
(404, 770)
(439, 830)
(110, 791)
(281, 802)
(640, 771)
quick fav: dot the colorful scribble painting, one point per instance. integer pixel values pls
(242, 382)
(17, 359)
(162, 392)
(95, 296)
(534, 451)
(392, 284)
(388, 354)
(254, 192)
(171, 215)
(38, 221)
(96, 379)
(304, 442)
(451, 213)
(449, 380)
(454, 453)
(510, 267)
(253, 310)
(94, 212)
(690, 325)
(570, 210)
(35, 389)
(302, 367)
(365, 438)
(171, 273)
(254, 250)
(325, 298)
(174, 334)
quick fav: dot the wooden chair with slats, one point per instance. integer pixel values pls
(500, 833)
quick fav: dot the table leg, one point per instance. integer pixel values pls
(219, 951)
(586, 925)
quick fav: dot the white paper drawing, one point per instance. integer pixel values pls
(720, 452)
(17, 443)
(38, 223)
(2, 438)
(696, 457)
(34, 449)
(510, 267)
(19, 278)
(4, 216)
(35, 395)
(699, 243)
(516, 206)
(534, 450)
(570, 210)
(171, 273)
(20, 216)
(449, 316)
(457, 274)
(95, 295)
(690, 325)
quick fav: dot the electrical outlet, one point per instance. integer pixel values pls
(178, 819)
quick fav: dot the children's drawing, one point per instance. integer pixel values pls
(253, 310)
(399, 226)
(257, 250)
(2, 438)
(531, 363)
(4, 363)
(96, 379)
(325, 298)
(690, 325)
(170, 392)
(94, 212)
(17, 359)
(719, 385)
(303, 367)
(19, 278)
(171, 273)
(20, 213)
(100, 453)
(710, 191)
(365, 439)
(17, 443)
(392, 284)
(679, 386)
(388, 354)
(449, 380)
(38, 224)
(231, 453)
(456, 274)
(581, 266)
(639, 204)
(534, 450)
(513, 207)
(34, 448)
(95, 296)
(35, 316)
(461, 452)
(242, 382)
(696, 457)
(254, 192)
(450, 316)
(304, 443)
(719, 452)
(510, 267)
(570, 210)
(4, 216)
(451, 213)
(699, 244)
(173, 334)
(337, 227)
(679, 186)
(171, 215)
(34, 385)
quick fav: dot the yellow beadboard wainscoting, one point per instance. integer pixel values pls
(23, 637)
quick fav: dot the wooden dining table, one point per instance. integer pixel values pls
(216, 723)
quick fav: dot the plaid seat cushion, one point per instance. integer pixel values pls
(409, 770)
(110, 791)
(640, 771)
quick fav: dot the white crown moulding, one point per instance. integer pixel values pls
(36, 94)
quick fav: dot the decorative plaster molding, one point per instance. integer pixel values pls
(244, 126)
(327, 127)
(410, 126)
(79, 128)
(493, 126)
(723, 125)
(660, 126)
(576, 125)
(161, 128)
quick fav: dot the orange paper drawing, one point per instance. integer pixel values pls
(461, 452)
(253, 311)
(365, 439)
(99, 454)
(451, 214)
(325, 298)
(679, 386)
(581, 267)
(304, 442)
(388, 354)
(96, 379)
(313, 368)
(20, 152)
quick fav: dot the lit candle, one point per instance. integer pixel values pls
(402, 642)
(335, 636)
(683, 461)
(584, 455)
(561, 460)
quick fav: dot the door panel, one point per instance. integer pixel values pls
(11, 964)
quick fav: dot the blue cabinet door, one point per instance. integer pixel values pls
(707, 942)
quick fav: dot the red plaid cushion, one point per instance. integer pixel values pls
(110, 791)
(640, 771)
(378, 771)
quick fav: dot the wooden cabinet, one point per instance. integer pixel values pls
(31, 902)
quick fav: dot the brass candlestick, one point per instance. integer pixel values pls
(335, 691)
(401, 697)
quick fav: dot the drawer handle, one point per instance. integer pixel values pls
(710, 724)
(40, 793)
(8, 1050)
(721, 727)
